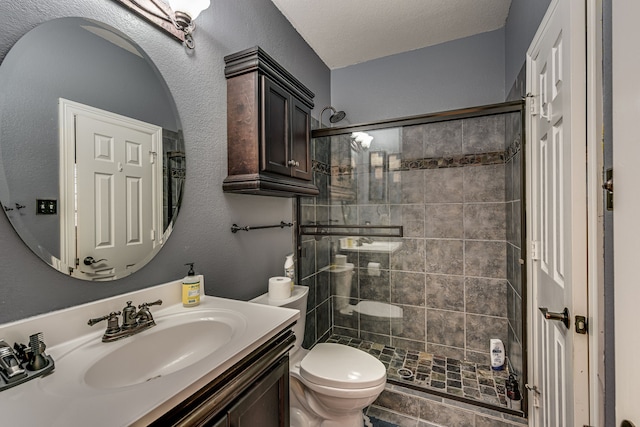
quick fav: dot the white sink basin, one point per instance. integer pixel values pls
(178, 341)
(375, 246)
(186, 339)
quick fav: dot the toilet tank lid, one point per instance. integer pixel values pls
(341, 366)
(334, 268)
(298, 292)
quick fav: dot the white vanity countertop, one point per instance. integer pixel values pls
(39, 402)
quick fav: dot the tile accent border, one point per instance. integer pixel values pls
(513, 149)
(494, 158)
(482, 159)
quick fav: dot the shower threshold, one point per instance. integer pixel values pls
(455, 379)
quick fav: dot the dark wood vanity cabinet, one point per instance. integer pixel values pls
(264, 404)
(268, 128)
(254, 392)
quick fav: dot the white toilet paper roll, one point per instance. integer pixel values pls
(341, 260)
(279, 287)
(373, 269)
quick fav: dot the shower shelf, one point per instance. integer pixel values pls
(352, 230)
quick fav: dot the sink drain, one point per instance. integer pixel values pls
(405, 373)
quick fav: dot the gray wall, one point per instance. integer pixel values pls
(235, 265)
(457, 74)
(522, 23)
(475, 70)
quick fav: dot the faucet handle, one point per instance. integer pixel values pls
(144, 316)
(112, 324)
(92, 322)
(149, 304)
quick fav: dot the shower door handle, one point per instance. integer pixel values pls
(563, 316)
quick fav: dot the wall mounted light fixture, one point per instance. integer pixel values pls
(360, 141)
(173, 16)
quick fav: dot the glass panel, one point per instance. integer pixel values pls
(430, 301)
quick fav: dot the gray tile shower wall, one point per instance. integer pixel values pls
(454, 274)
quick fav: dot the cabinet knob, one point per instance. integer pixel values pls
(293, 163)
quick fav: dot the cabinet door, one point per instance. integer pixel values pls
(275, 136)
(266, 404)
(300, 144)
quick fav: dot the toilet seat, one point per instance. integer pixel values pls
(342, 367)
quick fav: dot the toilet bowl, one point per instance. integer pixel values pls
(375, 316)
(332, 383)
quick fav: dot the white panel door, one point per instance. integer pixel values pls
(556, 217)
(626, 229)
(118, 193)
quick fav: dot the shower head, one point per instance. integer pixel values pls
(335, 117)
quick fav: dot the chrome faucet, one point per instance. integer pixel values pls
(132, 321)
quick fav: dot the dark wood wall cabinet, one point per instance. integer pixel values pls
(268, 128)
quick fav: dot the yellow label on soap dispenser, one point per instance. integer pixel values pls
(190, 294)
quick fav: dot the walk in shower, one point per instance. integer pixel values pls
(426, 303)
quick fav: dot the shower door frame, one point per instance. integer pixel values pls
(464, 113)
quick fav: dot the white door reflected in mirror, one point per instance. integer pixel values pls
(111, 195)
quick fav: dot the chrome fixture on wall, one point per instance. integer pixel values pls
(176, 18)
(335, 117)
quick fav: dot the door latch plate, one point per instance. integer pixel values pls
(608, 187)
(581, 325)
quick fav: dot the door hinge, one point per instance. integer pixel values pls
(532, 104)
(152, 157)
(535, 250)
(153, 235)
(581, 325)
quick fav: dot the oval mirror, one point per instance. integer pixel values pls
(92, 161)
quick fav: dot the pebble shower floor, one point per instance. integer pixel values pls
(452, 376)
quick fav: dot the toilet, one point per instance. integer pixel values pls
(371, 313)
(332, 383)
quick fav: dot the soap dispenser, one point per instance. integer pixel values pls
(190, 288)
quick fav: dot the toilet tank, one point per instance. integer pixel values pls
(298, 301)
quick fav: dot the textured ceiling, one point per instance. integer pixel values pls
(347, 32)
